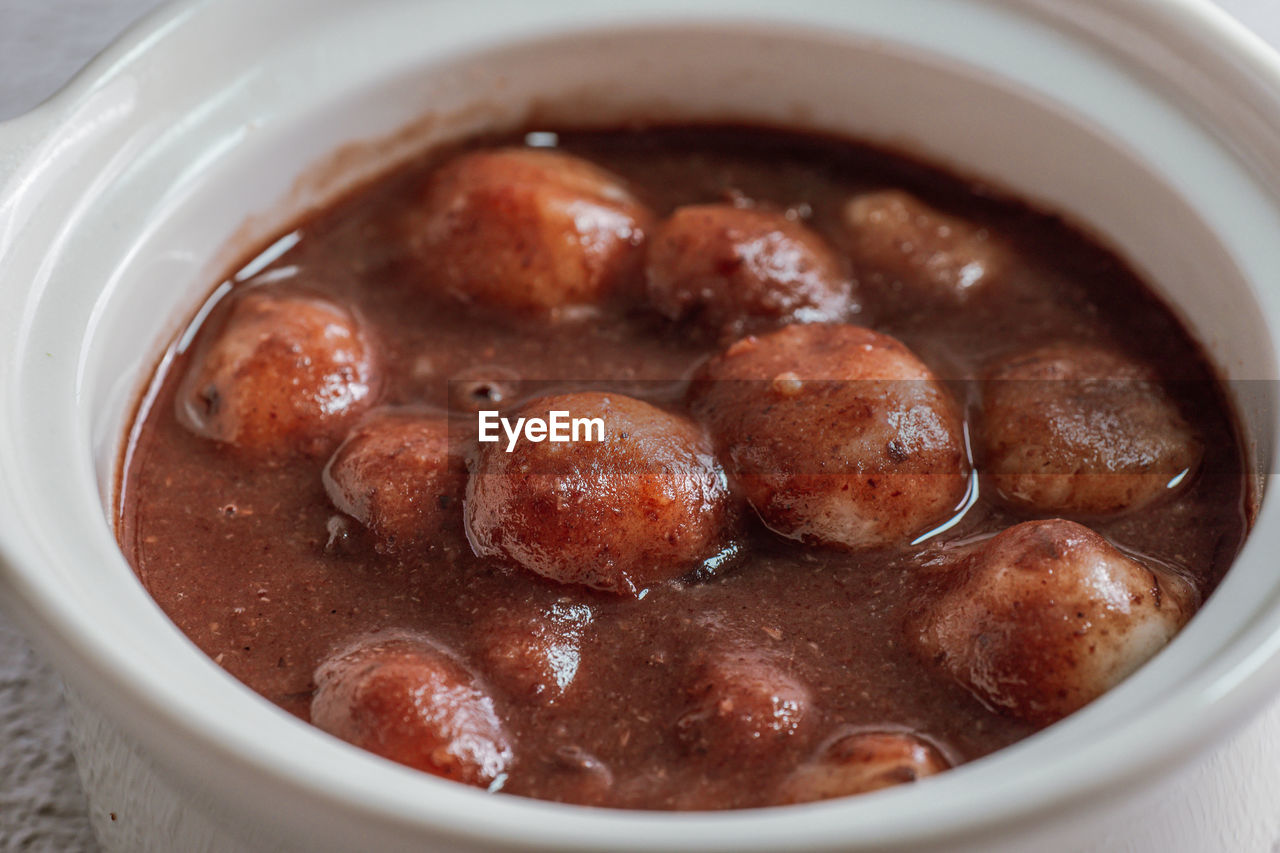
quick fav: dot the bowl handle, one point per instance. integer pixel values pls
(18, 139)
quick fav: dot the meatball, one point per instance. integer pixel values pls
(1048, 617)
(528, 231)
(835, 434)
(730, 268)
(1078, 430)
(536, 657)
(408, 699)
(285, 373)
(743, 706)
(395, 474)
(860, 763)
(647, 503)
(912, 256)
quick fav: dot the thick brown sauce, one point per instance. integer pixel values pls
(236, 554)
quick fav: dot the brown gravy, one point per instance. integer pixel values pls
(251, 560)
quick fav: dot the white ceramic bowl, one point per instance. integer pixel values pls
(1153, 122)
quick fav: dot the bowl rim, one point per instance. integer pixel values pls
(1240, 57)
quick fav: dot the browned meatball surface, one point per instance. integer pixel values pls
(1048, 617)
(528, 231)
(860, 762)
(732, 269)
(743, 706)
(285, 373)
(913, 257)
(1080, 430)
(837, 435)
(647, 503)
(396, 475)
(537, 656)
(409, 700)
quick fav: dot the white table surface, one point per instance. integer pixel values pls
(42, 43)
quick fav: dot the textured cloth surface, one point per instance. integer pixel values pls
(41, 804)
(42, 43)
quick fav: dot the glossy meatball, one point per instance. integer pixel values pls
(1079, 430)
(730, 269)
(537, 656)
(743, 706)
(528, 231)
(396, 475)
(837, 435)
(1048, 617)
(285, 373)
(912, 256)
(859, 763)
(406, 698)
(648, 503)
